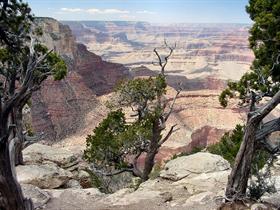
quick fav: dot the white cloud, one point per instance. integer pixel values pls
(71, 9)
(95, 11)
(146, 12)
(106, 11)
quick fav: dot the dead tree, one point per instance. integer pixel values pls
(256, 133)
(143, 108)
(24, 65)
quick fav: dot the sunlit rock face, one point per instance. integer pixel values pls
(206, 57)
(59, 107)
(217, 50)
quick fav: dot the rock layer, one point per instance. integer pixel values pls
(59, 107)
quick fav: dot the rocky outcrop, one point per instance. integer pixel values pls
(37, 153)
(59, 107)
(193, 182)
(45, 176)
(50, 167)
(39, 197)
(190, 192)
(188, 166)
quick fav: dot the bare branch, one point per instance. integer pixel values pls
(112, 173)
(267, 108)
(162, 63)
(172, 105)
(268, 128)
(167, 135)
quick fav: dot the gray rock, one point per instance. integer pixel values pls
(37, 153)
(38, 196)
(272, 198)
(48, 176)
(72, 183)
(258, 206)
(191, 165)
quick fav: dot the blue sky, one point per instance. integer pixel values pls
(155, 11)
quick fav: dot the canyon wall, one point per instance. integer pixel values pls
(206, 57)
(59, 107)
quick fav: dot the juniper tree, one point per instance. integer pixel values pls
(115, 141)
(24, 65)
(259, 83)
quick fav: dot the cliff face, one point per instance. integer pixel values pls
(59, 107)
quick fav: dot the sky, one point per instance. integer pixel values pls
(153, 11)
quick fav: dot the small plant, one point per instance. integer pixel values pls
(229, 145)
(261, 182)
(118, 141)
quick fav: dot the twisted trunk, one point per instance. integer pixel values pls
(11, 196)
(238, 178)
(19, 138)
(153, 150)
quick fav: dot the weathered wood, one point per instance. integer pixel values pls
(238, 178)
(11, 197)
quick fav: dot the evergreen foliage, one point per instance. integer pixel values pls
(264, 40)
(229, 144)
(114, 138)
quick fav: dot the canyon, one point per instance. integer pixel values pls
(100, 54)
(59, 107)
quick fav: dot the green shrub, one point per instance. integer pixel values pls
(228, 148)
(229, 145)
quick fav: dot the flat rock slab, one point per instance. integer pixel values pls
(192, 165)
(37, 153)
(46, 176)
(38, 196)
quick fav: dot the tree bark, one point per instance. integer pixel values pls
(11, 196)
(238, 178)
(153, 150)
(19, 138)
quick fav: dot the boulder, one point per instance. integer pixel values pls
(272, 199)
(38, 196)
(72, 183)
(259, 206)
(205, 182)
(46, 176)
(37, 153)
(66, 199)
(201, 198)
(192, 165)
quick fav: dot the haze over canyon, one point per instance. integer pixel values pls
(205, 58)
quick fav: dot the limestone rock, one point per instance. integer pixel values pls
(197, 163)
(36, 153)
(47, 176)
(66, 199)
(72, 183)
(272, 198)
(200, 198)
(259, 206)
(205, 182)
(39, 197)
